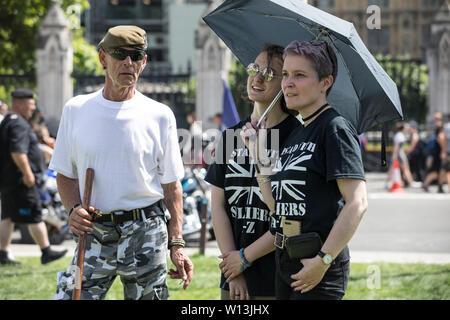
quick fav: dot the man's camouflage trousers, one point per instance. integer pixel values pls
(134, 250)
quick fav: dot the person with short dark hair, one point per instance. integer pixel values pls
(218, 122)
(131, 143)
(22, 174)
(437, 155)
(446, 163)
(415, 152)
(316, 190)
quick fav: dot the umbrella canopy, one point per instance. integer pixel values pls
(363, 92)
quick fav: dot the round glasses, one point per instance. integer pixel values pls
(267, 73)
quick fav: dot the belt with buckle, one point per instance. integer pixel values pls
(280, 240)
(119, 216)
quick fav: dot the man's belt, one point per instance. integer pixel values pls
(280, 240)
(119, 216)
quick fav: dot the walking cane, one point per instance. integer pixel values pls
(82, 239)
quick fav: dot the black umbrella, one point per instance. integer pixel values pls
(363, 92)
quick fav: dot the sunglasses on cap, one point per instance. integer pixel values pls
(267, 73)
(122, 54)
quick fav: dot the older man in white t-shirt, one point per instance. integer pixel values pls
(131, 142)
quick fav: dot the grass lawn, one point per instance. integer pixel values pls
(376, 281)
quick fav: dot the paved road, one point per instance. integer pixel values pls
(410, 222)
(410, 227)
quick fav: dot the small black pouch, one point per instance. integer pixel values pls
(303, 246)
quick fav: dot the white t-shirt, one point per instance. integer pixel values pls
(399, 137)
(447, 135)
(131, 145)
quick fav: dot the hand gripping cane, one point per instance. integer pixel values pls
(82, 239)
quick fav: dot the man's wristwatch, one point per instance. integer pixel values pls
(327, 259)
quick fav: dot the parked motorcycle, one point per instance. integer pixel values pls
(53, 213)
(195, 191)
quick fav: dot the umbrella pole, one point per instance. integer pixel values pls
(275, 100)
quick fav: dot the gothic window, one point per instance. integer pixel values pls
(380, 3)
(52, 59)
(134, 9)
(211, 58)
(432, 3)
(426, 33)
(150, 9)
(121, 9)
(323, 4)
(379, 40)
(156, 55)
(444, 51)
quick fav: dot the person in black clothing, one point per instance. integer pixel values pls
(437, 155)
(317, 191)
(22, 173)
(217, 119)
(415, 152)
(239, 215)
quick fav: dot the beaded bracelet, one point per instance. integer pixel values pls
(245, 262)
(177, 242)
(262, 180)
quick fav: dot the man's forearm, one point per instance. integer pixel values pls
(173, 198)
(69, 191)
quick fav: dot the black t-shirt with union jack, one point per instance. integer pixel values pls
(244, 204)
(304, 184)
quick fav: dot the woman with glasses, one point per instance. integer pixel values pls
(316, 189)
(239, 214)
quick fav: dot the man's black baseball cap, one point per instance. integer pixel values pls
(22, 93)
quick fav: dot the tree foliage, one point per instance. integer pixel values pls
(20, 21)
(85, 56)
(411, 77)
(238, 87)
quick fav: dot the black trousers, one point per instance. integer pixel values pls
(22, 204)
(332, 286)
